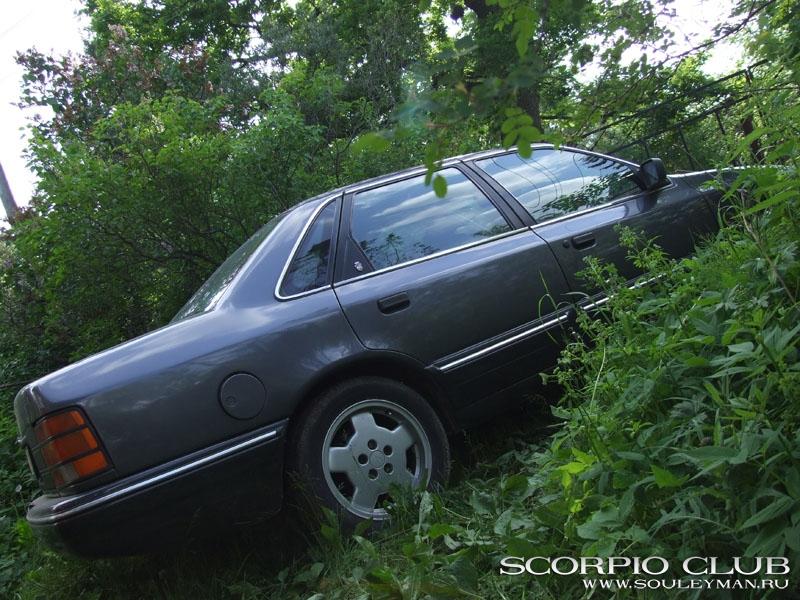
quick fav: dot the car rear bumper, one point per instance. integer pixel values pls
(239, 479)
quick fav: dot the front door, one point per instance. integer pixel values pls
(578, 199)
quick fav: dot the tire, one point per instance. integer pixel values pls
(361, 437)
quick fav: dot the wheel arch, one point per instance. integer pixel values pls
(390, 365)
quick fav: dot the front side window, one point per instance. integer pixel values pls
(405, 220)
(311, 263)
(603, 179)
(552, 183)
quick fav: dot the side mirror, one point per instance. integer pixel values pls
(653, 174)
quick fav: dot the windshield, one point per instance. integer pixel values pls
(210, 292)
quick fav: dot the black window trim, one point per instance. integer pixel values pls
(512, 220)
(298, 242)
(509, 197)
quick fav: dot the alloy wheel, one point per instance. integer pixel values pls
(370, 447)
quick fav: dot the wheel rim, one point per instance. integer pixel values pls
(369, 447)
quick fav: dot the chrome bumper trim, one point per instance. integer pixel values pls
(93, 498)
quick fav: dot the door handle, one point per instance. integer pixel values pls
(394, 303)
(586, 240)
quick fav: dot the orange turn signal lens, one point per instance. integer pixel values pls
(66, 447)
(90, 464)
(58, 424)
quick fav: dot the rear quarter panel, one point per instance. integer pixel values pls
(156, 397)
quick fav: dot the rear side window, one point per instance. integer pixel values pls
(553, 183)
(405, 220)
(311, 263)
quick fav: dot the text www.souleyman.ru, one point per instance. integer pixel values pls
(636, 573)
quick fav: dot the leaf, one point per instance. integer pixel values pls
(465, 572)
(380, 574)
(772, 201)
(311, 574)
(741, 347)
(712, 453)
(510, 138)
(329, 533)
(481, 503)
(501, 526)
(522, 44)
(792, 481)
(560, 413)
(664, 478)
(440, 186)
(437, 530)
(521, 547)
(598, 523)
(529, 133)
(584, 457)
(696, 361)
(713, 392)
(627, 501)
(793, 538)
(515, 483)
(573, 468)
(370, 142)
(772, 511)
(768, 541)
(633, 456)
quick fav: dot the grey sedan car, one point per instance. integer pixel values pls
(343, 342)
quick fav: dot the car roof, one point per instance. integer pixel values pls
(395, 175)
(406, 172)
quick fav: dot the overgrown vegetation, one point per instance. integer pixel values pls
(182, 129)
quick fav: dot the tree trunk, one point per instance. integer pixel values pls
(530, 101)
(531, 98)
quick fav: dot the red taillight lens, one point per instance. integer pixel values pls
(68, 448)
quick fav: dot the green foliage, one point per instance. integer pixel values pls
(16, 484)
(527, 54)
(141, 212)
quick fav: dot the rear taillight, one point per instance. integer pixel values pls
(68, 448)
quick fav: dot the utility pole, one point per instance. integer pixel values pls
(7, 197)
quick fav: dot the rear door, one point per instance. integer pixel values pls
(457, 283)
(577, 199)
